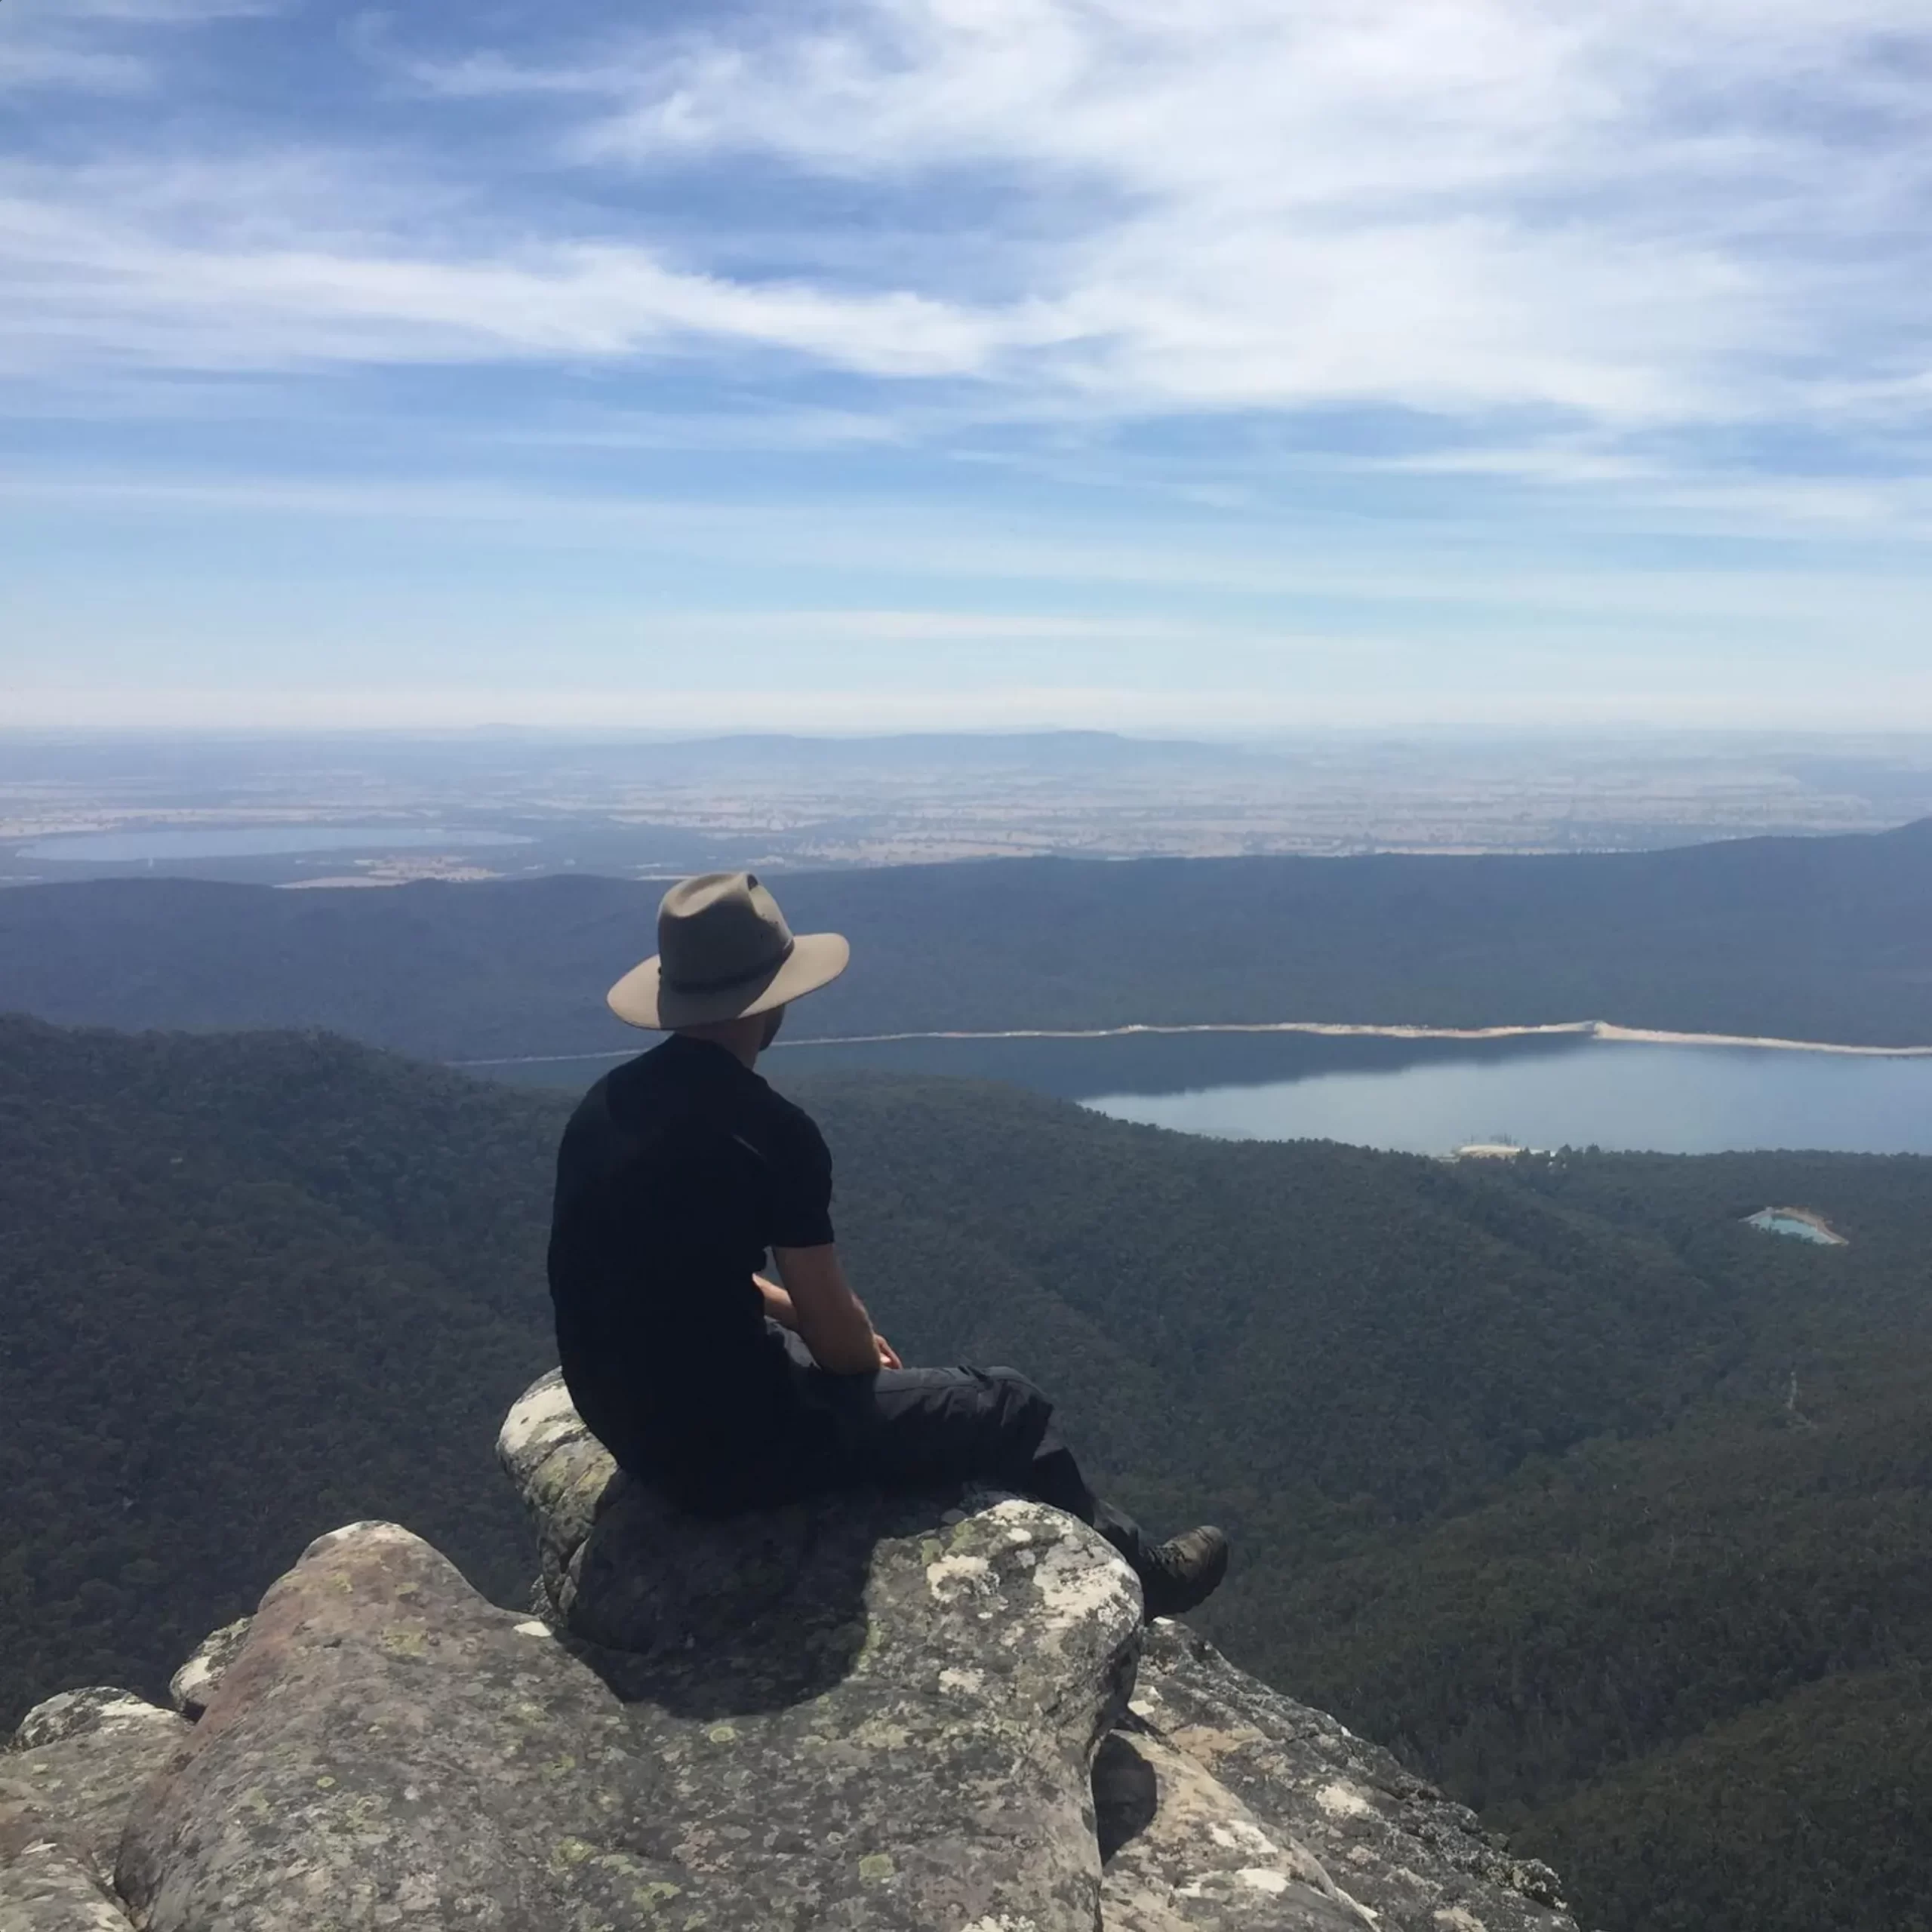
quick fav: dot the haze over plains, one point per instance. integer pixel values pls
(910, 364)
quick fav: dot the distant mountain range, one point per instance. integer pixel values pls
(1827, 939)
(1608, 1510)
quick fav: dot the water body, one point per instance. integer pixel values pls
(1430, 1096)
(251, 841)
(1798, 1229)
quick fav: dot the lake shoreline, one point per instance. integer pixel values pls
(1576, 1029)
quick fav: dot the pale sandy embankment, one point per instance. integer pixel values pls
(1592, 1029)
(1585, 1029)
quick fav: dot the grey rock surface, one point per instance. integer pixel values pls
(1220, 1805)
(46, 1882)
(1184, 1854)
(82, 1759)
(870, 1713)
(913, 1687)
(388, 1749)
(191, 1687)
(1388, 1846)
(45, 1885)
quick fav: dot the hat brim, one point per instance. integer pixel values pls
(641, 998)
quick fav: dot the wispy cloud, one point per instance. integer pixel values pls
(99, 46)
(1475, 207)
(1654, 211)
(281, 258)
(1466, 573)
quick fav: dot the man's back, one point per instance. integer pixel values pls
(677, 1172)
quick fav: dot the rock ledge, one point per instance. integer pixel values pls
(879, 1713)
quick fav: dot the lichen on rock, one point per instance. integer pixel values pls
(81, 1758)
(1358, 1840)
(388, 1749)
(45, 1887)
(191, 1687)
(912, 1690)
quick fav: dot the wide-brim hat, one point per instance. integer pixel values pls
(724, 952)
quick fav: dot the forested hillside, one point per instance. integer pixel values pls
(1608, 1511)
(252, 1288)
(1819, 939)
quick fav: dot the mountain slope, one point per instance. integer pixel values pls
(252, 1288)
(1519, 1475)
(1813, 1811)
(1826, 939)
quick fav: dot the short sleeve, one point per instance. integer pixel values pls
(801, 1210)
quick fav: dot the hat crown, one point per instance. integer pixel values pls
(717, 929)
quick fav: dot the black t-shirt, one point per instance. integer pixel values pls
(677, 1172)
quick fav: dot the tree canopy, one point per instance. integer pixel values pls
(1606, 1510)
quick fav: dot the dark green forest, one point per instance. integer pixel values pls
(1608, 1513)
(1813, 938)
(254, 1288)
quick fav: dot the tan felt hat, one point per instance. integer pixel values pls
(724, 952)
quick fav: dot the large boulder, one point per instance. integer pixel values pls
(1221, 1806)
(69, 1778)
(390, 1749)
(45, 1886)
(886, 1721)
(925, 1677)
(82, 1759)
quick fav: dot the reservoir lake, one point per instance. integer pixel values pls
(251, 841)
(1431, 1096)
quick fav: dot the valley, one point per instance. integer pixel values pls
(1553, 1474)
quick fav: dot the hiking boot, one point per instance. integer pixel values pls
(1183, 1571)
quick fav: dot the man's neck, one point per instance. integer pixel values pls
(742, 1039)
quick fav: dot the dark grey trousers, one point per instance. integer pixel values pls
(925, 1428)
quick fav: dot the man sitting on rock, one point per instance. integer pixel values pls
(678, 1174)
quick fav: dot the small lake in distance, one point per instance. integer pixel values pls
(1430, 1096)
(251, 841)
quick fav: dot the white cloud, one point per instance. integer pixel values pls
(197, 267)
(1652, 213)
(1653, 210)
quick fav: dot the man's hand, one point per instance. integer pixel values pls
(832, 1319)
(888, 1356)
(778, 1302)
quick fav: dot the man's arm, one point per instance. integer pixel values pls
(830, 1317)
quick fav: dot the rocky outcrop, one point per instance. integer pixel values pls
(388, 1749)
(191, 1687)
(68, 1780)
(1226, 1805)
(872, 1712)
(45, 1888)
(81, 1758)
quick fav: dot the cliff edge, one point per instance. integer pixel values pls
(879, 1712)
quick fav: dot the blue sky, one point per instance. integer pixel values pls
(851, 365)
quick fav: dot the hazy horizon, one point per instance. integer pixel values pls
(892, 365)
